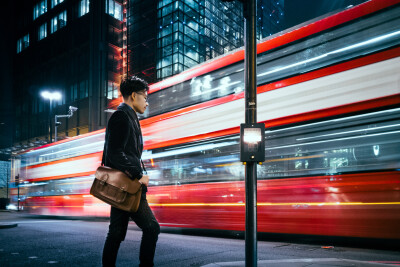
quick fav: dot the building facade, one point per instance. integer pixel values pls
(73, 47)
(191, 32)
(83, 49)
(169, 36)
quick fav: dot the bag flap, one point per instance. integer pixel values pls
(118, 179)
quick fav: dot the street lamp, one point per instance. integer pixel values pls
(50, 96)
(56, 123)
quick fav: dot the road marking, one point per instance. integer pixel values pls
(52, 262)
(388, 262)
(324, 261)
(33, 257)
(39, 221)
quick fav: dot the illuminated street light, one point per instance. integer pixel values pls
(50, 96)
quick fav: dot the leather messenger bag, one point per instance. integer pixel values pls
(117, 189)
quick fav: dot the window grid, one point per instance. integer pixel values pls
(83, 7)
(112, 90)
(42, 31)
(114, 9)
(55, 2)
(191, 32)
(59, 21)
(39, 9)
(22, 43)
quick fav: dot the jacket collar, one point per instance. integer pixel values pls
(127, 109)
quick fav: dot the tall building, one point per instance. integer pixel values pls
(170, 36)
(142, 39)
(73, 47)
(83, 48)
(191, 32)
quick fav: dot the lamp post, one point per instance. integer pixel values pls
(252, 134)
(56, 123)
(50, 96)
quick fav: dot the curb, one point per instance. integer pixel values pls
(4, 225)
(302, 263)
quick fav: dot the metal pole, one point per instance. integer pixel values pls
(50, 112)
(18, 197)
(7, 184)
(251, 117)
(55, 128)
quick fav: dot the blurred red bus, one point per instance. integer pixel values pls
(329, 95)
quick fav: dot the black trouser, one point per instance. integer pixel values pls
(119, 219)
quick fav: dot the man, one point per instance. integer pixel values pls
(122, 151)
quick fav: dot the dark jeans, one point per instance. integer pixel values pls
(119, 219)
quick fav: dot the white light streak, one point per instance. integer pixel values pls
(333, 140)
(373, 40)
(349, 132)
(374, 114)
(150, 155)
(95, 147)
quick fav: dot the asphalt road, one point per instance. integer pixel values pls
(44, 241)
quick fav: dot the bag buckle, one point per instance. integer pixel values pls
(102, 182)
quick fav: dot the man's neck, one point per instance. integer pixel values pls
(130, 105)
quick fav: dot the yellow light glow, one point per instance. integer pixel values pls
(272, 204)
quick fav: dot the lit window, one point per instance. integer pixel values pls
(83, 7)
(55, 2)
(39, 9)
(22, 43)
(59, 21)
(114, 9)
(42, 31)
(112, 90)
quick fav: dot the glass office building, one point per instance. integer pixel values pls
(191, 32)
(167, 37)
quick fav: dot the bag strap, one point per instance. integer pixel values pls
(104, 152)
(144, 168)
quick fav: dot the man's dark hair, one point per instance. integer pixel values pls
(132, 84)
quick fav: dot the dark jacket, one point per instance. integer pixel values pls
(124, 143)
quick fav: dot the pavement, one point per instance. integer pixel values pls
(313, 262)
(54, 235)
(4, 225)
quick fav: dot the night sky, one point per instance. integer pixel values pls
(299, 11)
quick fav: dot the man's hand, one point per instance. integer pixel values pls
(144, 180)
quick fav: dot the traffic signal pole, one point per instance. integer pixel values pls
(250, 8)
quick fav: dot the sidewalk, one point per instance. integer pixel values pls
(322, 262)
(4, 224)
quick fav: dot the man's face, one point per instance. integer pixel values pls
(140, 101)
